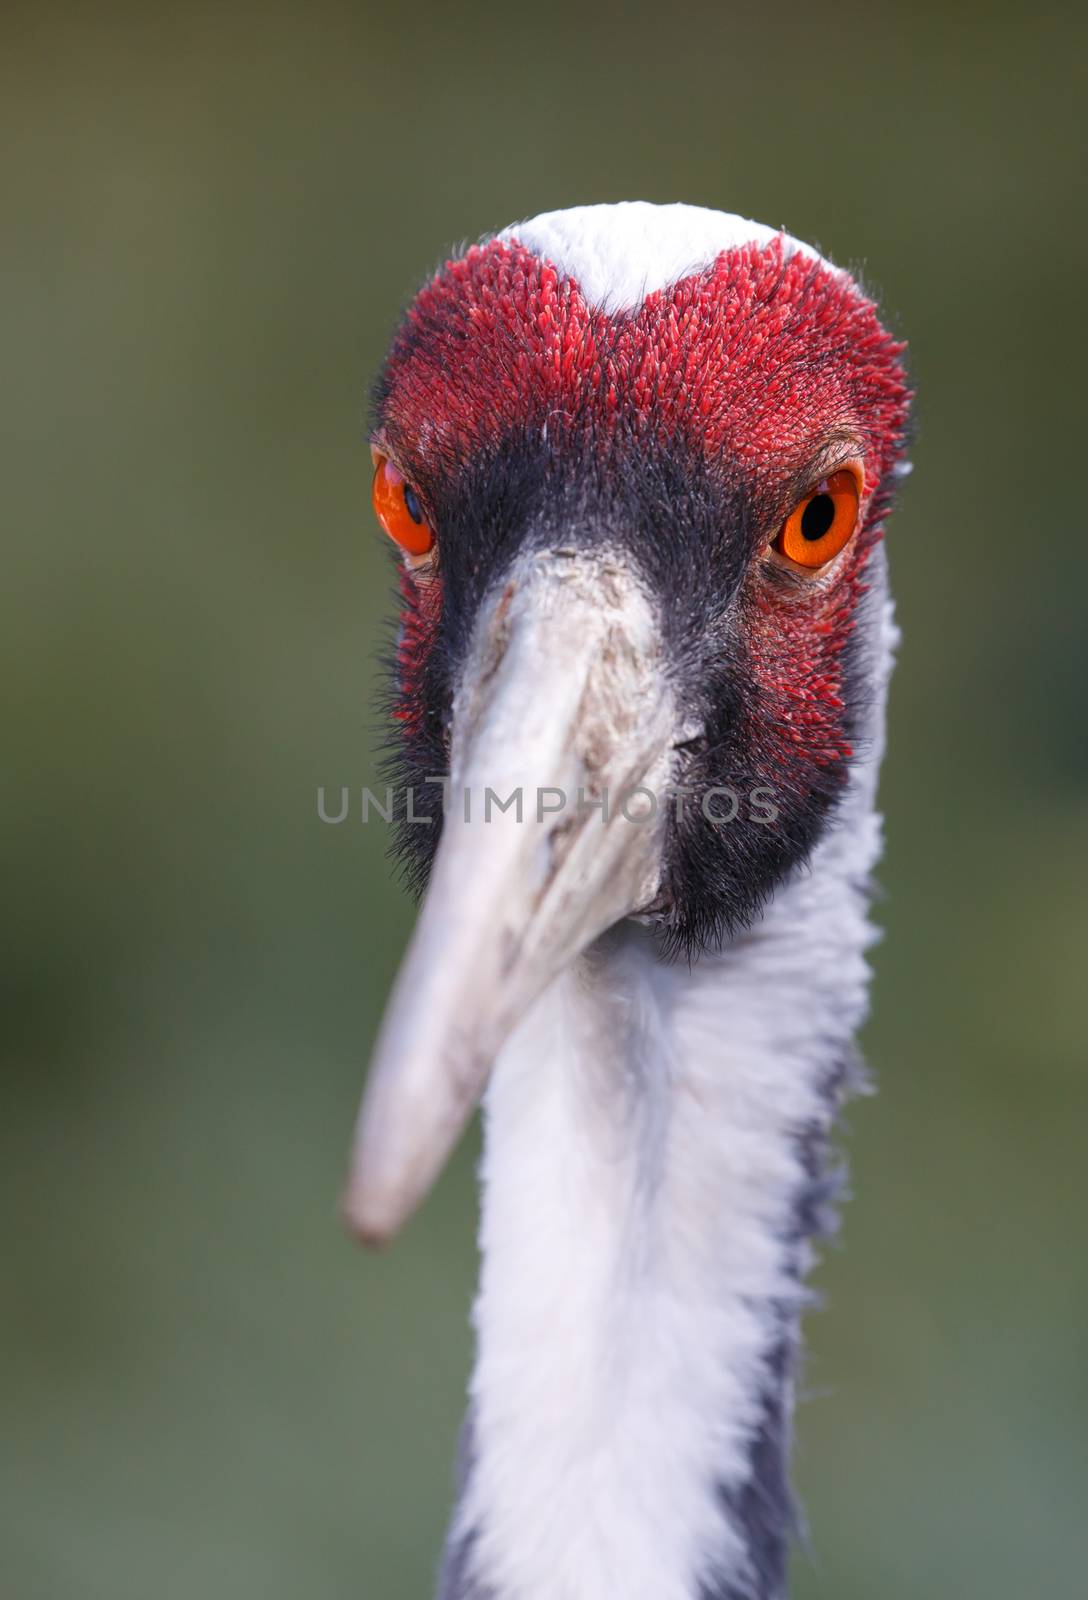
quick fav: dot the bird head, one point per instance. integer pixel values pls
(637, 461)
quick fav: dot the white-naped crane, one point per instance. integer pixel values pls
(638, 459)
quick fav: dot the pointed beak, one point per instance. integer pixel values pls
(564, 703)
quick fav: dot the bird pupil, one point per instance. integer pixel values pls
(411, 501)
(817, 517)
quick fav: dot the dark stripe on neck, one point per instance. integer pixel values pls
(764, 1509)
(456, 1580)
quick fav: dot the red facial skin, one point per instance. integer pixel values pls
(421, 607)
(763, 359)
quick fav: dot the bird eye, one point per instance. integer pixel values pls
(819, 525)
(398, 509)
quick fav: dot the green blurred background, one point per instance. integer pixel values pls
(212, 215)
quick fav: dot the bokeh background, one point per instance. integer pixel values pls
(212, 215)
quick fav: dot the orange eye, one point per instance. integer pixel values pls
(818, 527)
(397, 508)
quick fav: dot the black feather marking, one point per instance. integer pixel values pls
(456, 1579)
(764, 1509)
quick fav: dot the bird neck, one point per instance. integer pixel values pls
(654, 1172)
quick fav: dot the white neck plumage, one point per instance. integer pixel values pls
(653, 1174)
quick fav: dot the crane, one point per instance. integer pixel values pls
(637, 460)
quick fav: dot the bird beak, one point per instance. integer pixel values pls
(564, 699)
